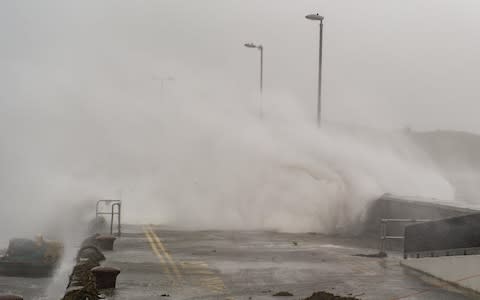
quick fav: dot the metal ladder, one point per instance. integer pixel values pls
(114, 212)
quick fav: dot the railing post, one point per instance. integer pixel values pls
(118, 213)
(383, 234)
(119, 219)
(111, 219)
(96, 209)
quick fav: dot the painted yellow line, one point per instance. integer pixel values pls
(211, 281)
(157, 253)
(208, 278)
(165, 252)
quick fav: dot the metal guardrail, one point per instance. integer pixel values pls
(118, 212)
(384, 230)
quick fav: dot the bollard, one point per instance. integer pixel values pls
(90, 253)
(105, 277)
(105, 242)
(10, 297)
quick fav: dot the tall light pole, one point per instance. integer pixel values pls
(259, 47)
(162, 83)
(317, 17)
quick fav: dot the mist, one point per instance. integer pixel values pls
(83, 115)
(207, 160)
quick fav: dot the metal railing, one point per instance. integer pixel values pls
(118, 212)
(384, 230)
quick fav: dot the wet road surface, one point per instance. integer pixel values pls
(157, 261)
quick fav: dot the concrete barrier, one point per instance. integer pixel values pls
(391, 206)
(463, 271)
(450, 236)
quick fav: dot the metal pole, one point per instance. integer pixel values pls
(383, 234)
(261, 81)
(161, 88)
(259, 47)
(96, 209)
(319, 102)
(111, 219)
(120, 219)
(261, 69)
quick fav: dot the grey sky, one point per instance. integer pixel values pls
(387, 63)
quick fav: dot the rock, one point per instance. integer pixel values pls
(282, 294)
(328, 296)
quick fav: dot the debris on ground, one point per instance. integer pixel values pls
(283, 294)
(328, 296)
(375, 255)
(295, 243)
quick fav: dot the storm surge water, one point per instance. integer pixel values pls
(219, 165)
(200, 157)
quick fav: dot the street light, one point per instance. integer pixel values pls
(259, 47)
(317, 17)
(162, 83)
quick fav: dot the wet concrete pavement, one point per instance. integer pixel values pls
(157, 260)
(254, 265)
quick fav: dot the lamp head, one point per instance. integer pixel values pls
(315, 17)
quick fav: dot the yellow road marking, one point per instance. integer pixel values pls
(159, 255)
(212, 281)
(208, 278)
(165, 252)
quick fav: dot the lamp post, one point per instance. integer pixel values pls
(162, 83)
(259, 47)
(317, 17)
